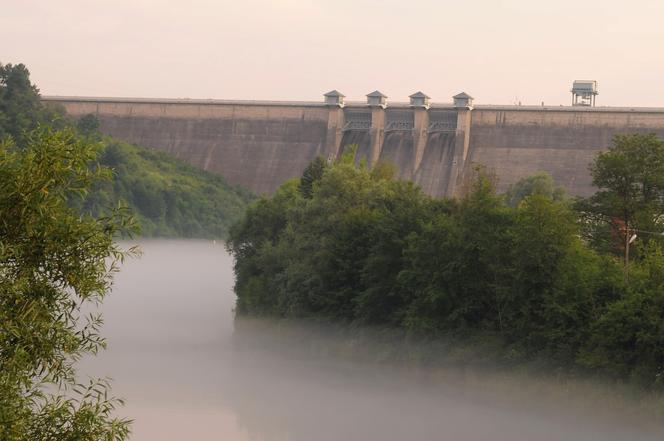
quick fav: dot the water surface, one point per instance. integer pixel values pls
(169, 325)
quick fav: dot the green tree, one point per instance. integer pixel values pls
(428, 276)
(254, 241)
(20, 106)
(311, 175)
(483, 262)
(630, 178)
(627, 339)
(501, 282)
(549, 301)
(538, 184)
(52, 262)
(169, 197)
(88, 125)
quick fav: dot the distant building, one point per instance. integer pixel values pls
(584, 93)
(463, 100)
(377, 99)
(334, 98)
(418, 99)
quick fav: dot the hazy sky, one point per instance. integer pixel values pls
(500, 51)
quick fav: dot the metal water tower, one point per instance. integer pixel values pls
(584, 93)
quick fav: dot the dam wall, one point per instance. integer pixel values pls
(260, 144)
(518, 141)
(252, 145)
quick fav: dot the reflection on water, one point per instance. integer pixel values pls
(169, 327)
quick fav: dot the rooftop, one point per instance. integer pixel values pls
(377, 93)
(335, 93)
(462, 95)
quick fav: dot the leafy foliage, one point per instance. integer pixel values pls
(52, 262)
(511, 271)
(538, 184)
(311, 175)
(57, 255)
(630, 178)
(20, 108)
(168, 197)
(88, 125)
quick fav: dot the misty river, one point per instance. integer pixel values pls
(169, 326)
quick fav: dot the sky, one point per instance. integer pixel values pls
(499, 51)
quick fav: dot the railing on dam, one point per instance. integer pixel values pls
(395, 126)
(399, 120)
(357, 125)
(441, 126)
(442, 121)
(357, 119)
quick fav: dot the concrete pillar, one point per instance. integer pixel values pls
(377, 133)
(335, 125)
(420, 135)
(461, 146)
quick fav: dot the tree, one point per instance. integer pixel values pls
(205, 205)
(627, 339)
(538, 184)
(630, 178)
(549, 300)
(311, 175)
(499, 282)
(88, 125)
(52, 262)
(20, 107)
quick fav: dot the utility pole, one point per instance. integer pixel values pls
(626, 269)
(628, 240)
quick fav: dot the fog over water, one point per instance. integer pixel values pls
(173, 356)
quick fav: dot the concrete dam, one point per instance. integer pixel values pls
(260, 144)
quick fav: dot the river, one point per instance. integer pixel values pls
(169, 326)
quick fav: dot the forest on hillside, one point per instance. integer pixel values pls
(168, 197)
(527, 278)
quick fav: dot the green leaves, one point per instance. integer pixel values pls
(538, 184)
(169, 198)
(20, 108)
(52, 261)
(351, 244)
(630, 178)
(311, 176)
